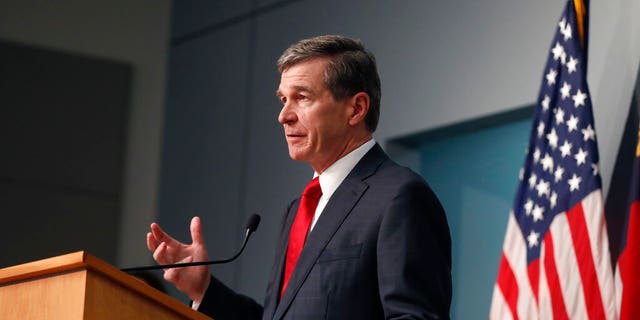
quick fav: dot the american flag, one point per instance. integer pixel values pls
(555, 259)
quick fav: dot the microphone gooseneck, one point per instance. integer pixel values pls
(252, 225)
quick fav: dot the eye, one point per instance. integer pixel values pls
(283, 99)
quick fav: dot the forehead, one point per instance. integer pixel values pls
(309, 73)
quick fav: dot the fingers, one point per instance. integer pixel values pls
(160, 255)
(196, 231)
(157, 245)
(167, 250)
(161, 236)
(152, 244)
(193, 281)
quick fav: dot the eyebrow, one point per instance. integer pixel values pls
(298, 88)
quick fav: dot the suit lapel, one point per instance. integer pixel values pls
(271, 302)
(338, 208)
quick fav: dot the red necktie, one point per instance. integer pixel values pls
(300, 228)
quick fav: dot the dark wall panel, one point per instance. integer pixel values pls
(62, 132)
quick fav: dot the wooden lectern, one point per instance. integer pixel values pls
(80, 286)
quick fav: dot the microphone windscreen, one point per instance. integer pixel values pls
(253, 222)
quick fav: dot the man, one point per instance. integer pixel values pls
(367, 240)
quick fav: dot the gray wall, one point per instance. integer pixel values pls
(135, 33)
(441, 62)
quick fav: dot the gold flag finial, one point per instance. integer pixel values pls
(580, 12)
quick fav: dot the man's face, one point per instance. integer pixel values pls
(316, 126)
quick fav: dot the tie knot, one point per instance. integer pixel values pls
(313, 189)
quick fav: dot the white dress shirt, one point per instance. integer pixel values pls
(333, 176)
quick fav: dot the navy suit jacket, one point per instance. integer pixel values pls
(380, 250)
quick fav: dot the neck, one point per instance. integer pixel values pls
(348, 148)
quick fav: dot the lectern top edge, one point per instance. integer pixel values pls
(83, 262)
(71, 261)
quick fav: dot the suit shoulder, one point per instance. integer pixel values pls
(392, 171)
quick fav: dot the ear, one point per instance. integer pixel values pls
(359, 104)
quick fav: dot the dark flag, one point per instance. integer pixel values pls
(623, 215)
(628, 265)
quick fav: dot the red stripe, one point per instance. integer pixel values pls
(629, 263)
(582, 247)
(553, 281)
(509, 286)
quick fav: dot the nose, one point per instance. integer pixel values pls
(287, 114)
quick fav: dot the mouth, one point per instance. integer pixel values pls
(294, 136)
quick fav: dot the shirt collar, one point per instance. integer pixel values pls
(333, 176)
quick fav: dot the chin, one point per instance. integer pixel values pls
(297, 155)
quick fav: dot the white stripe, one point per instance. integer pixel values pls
(499, 307)
(619, 287)
(567, 268)
(515, 251)
(596, 226)
(545, 310)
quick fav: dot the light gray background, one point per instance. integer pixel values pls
(217, 150)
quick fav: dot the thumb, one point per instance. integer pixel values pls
(196, 231)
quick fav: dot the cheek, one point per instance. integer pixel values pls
(317, 130)
(334, 127)
(311, 125)
(321, 126)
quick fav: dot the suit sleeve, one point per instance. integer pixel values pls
(414, 256)
(222, 303)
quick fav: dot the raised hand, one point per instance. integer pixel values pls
(192, 281)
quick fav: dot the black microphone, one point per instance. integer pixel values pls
(252, 225)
